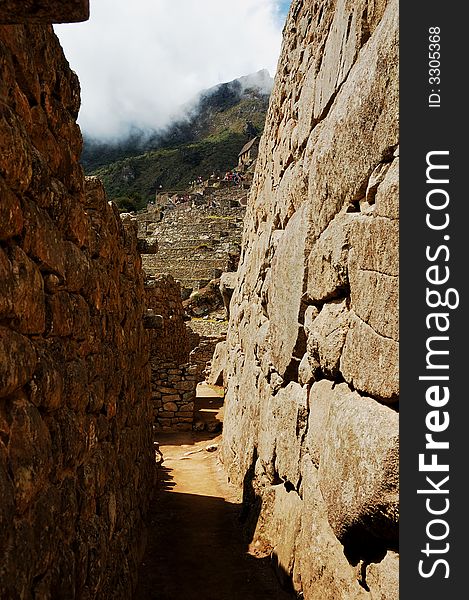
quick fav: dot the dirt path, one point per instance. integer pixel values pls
(196, 549)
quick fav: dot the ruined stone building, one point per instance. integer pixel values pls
(195, 244)
(248, 154)
(310, 363)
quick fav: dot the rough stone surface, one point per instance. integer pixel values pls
(278, 533)
(328, 260)
(321, 568)
(358, 468)
(227, 285)
(171, 340)
(205, 301)
(201, 356)
(320, 398)
(311, 360)
(385, 576)
(369, 361)
(326, 337)
(173, 395)
(218, 364)
(283, 426)
(76, 455)
(44, 11)
(286, 290)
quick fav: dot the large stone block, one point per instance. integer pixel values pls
(60, 308)
(281, 432)
(320, 564)
(17, 361)
(326, 337)
(320, 398)
(375, 244)
(387, 193)
(383, 578)
(278, 528)
(374, 298)
(359, 473)
(46, 385)
(27, 294)
(339, 167)
(328, 260)
(218, 364)
(43, 240)
(6, 279)
(11, 215)
(7, 502)
(370, 362)
(286, 290)
(343, 42)
(15, 163)
(29, 451)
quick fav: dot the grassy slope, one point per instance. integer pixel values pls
(172, 168)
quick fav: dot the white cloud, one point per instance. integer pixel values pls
(139, 61)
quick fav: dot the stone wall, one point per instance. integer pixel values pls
(173, 379)
(76, 455)
(174, 391)
(174, 385)
(311, 415)
(179, 357)
(170, 341)
(201, 355)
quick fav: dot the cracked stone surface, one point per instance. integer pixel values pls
(312, 348)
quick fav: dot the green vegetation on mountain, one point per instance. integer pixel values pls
(207, 141)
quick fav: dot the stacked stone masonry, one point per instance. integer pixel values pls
(76, 452)
(173, 380)
(170, 340)
(179, 357)
(174, 391)
(201, 356)
(311, 359)
(195, 244)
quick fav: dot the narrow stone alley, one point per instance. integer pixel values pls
(287, 295)
(196, 549)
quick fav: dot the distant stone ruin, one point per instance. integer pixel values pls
(195, 244)
(179, 357)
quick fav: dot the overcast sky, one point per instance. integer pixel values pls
(139, 61)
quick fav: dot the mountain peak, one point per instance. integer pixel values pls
(260, 83)
(261, 80)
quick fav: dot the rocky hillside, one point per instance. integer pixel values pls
(311, 415)
(218, 123)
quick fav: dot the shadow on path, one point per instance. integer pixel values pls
(196, 549)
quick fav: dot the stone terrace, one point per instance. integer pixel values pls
(196, 244)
